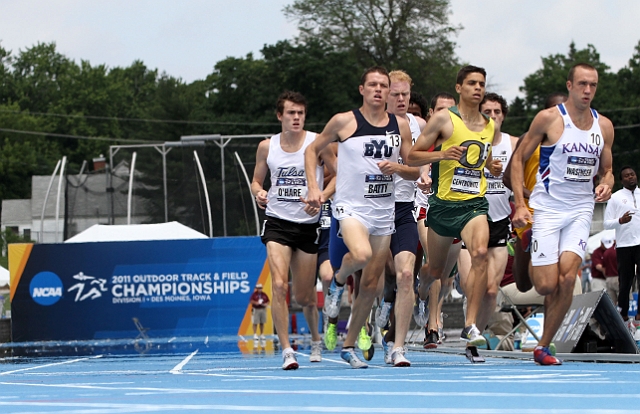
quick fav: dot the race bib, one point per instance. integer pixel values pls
(378, 185)
(494, 184)
(325, 216)
(580, 169)
(393, 140)
(466, 181)
(291, 189)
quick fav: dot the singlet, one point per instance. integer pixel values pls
(289, 182)
(530, 172)
(406, 189)
(497, 193)
(565, 177)
(360, 185)
(463, 179)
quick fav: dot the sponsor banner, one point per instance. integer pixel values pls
(126, 289)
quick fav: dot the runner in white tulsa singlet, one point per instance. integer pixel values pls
(498, 196)
(575, 146)
(290, 231)
(364, 199)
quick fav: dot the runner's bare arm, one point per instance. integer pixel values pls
(404, 171)
(259, 174)
(603, 190)
(439, 125)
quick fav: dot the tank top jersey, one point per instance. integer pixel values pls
(565, 177)
(497, 193)
(463, 179)
(530, 172)
(360, 185)
(406, 189)
(289, 182)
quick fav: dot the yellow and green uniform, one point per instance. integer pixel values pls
(460, 185)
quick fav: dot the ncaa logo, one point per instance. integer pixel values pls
(45, 288)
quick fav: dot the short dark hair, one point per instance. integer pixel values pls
(441, 95)
(467, 70)
(626, 167)
(579, 65)
(421, 101)
(374, 69)
(295, 97)
(494, 97)
(549, 102)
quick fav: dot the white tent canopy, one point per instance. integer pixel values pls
(135, 232)
(594, 241)
(4, 276)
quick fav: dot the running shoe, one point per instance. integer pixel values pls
(331, 337)
(398, 358)
(430, 339)
(289, 359)
(472, 336)
(334, 299)
(471, 352)
(255, 337)
(316, 351)
(421, 312)
(262, 337)
(382, 313)
(349, 355)
(364, 340)
(542, 356)
(441, 336)
(387, 347)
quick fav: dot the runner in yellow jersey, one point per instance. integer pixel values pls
(462, 137)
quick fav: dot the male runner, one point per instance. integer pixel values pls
(290, 230)
(462, 137)
(405, 238)
(364, 200)
(494, 106)
(575, 146)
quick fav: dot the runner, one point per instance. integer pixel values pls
(290, 230)
(364, 199)
(575, 146)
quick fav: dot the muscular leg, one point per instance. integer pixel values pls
(404, 262)
(476, 237)
(303, 275)
(356, 238)
(279, 257)
(556, 282)
(378, 248)
(326, 273)
(498, 257)
(437, 252)
(522, 267)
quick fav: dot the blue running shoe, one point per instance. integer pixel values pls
(350, 356)
(334, 299)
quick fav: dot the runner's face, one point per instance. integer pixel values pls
(442, 103)
(292, 117)
(583, 87)
(494, 110)
(472, 88)
(375, 89)
(414, 109)
(398, 100)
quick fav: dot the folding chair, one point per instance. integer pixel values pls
(508, 305)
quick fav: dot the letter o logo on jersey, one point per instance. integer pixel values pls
(45, 288)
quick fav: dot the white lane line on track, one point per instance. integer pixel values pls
(50, 365)
(178, 368)
(120, 408)
(147, 390)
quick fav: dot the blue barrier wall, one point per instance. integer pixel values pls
(82, 291)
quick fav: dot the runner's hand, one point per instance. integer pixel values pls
(603, 192)
(261, 199)
(522, 217)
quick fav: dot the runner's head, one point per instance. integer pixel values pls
(495, 106)
(399, 93)
(554, 99)
(441, 101)
(582, 83)
(374, 87)
(470, 84)
(291, 110)
(418, 105)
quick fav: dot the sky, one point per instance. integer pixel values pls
(186, 38)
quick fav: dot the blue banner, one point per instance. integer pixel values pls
(124, 289)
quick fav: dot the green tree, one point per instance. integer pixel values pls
(413, 35)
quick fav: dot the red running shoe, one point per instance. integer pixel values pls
(542, 356)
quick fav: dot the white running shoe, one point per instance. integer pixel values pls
(421, 313)
(398, 358)
(316, 351)
(255, 337)
(289, 360)
(472, 336)
(333, 300)
(382, 313)
(387, 347)
(350, 356)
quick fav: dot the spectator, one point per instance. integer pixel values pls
(598, 279)
(585, 275)
(259, 302)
